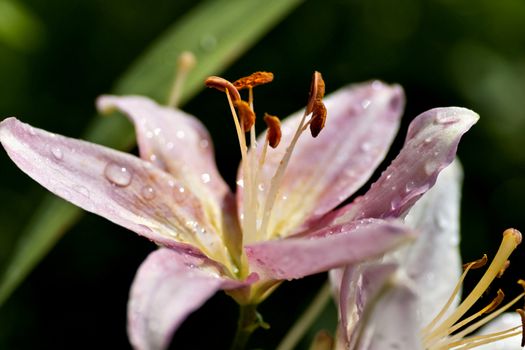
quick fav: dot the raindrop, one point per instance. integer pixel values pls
(117, 174)
(157, 131)
(410, 186)
(203, 143)
(366, 146)
(32, 131)
(377, 85)
(83, 191)
(430, 167)
(261, 187)
(181, 189)
(240, 183)
(205, 178)
(57, 153)
(365, 103)
(149, 134)
(171, 183)
(148, 192)
(170, 145)
(180, 134)
(394, 204)
(389, 176)
(428, 140)
(446, 118)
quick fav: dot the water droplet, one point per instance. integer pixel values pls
(365, 103)
(430, 167)
(170, 145)
(261, 187)
(171, 183)
(410, 186)
(377, 85)
(240, 183)
(394, 204)
(82, 190)
(181, 189)
(446, 117)
(389, 176)
(428, 140)
(149, 134)
(157, 131)
(205, 178)
(365, 146)
(57, 153)
(203, 143)
(208, 42)
(180, 134)
(148, 192)
(117, 175)
(32, 131)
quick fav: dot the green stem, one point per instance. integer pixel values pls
(249, 321)
(305, 321)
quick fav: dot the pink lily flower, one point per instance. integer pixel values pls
(409, 298)
(281, 224)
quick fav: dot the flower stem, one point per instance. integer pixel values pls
(249, 321)
(305, 321)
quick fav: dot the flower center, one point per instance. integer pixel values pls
(257, 209)
(438, 334)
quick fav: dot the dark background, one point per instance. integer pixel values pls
(54, 63)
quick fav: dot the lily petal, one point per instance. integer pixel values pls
(393, 322)
(172, 140)
(299, 256)
(359, 285)
(430, 146)
(436, 252)
(118, 186)
(169, 285)
(501, 323)
(324, 171)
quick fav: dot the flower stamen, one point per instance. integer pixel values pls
(185, 64)
(438, 338)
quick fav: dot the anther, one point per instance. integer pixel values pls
(274, 130)
(476, 264)
(494, 303)
(252, 80)
(515, 233)
(223, 85)
(318, 118)
(246, 114)
(317, 89)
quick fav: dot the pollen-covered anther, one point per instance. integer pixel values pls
(317, 90)
(246, 114)
(274, 130)
(223, 85)
(514, 233)
(252, 80)
(476, 264)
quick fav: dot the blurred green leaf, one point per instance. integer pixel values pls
(216, 40)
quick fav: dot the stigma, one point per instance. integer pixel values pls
(449, 330)
(256, 212)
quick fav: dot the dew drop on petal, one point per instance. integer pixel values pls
(410, 186)
(240, 183)
(32, 131)
(180, 134)
(261, 187)
(428, 140)
(430, 167)
(446, 118)
(365, 146)
(57, 153)
(203, 143)
(148, 192)
(117, 175)
(181, 189)
(205, 178)
(365, 103)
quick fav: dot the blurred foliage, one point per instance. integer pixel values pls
(443, 52)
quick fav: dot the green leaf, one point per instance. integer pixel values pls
(216, 40)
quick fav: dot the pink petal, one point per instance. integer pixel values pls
(169, 285)
(331, 247)
(174, 141)
(324, 171)
(118, 186)
(430, 146)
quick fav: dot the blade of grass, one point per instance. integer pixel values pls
(215, 40)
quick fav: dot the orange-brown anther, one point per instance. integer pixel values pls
(274, 130)
(246, 114)
(252, 80)
(317, 89)
(223, 85)
(318, 118)
(476, 264)
(522, 315)
(494, 303)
